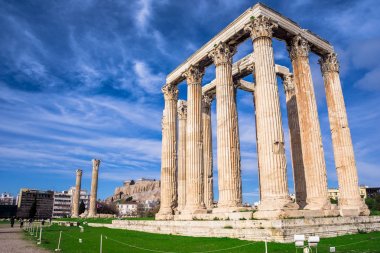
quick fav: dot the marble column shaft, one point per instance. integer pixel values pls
(270, 137)
(76, 197)
(349, 195)
(169, 152)
(182, 118)
(194, 145)
(295, 141)
(94, 187)
(229, 170)
(207, 151)
(311, 140)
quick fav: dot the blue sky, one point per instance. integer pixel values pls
(81, 79)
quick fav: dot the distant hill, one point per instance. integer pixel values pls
(139, 190)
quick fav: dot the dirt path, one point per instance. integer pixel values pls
(12, 241)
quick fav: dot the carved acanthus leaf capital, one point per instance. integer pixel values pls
(298, 47)
(79, 172)
(207, 100)
(222, 54)
(260, 26)
(95, 164)
(329, 63)
(182, 109)
(170, 91)
(288, 82)
(194, 74)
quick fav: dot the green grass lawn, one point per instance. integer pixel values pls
(115, 240)
(100, 220)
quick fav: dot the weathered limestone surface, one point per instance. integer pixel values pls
(311, 140)
(194, 145)
(169, 153)
(94, 188)
(207, 151)
(75, 207)
(350, 202)
(295, 141)
(229, 175)
(270, 137)
(254, 230)
(182, 118)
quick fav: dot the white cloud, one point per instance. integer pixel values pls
(147, 80)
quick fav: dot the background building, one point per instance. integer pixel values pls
(63, 202)
(364, 190)
(127, 208)
(42, 200)
(7, 199)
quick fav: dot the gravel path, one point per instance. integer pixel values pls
(12, 241)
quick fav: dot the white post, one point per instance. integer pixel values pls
(266, 245)
(39, 240)
(59, 241)
(36, 235)
(101, 242)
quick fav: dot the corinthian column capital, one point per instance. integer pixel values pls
(182, 109)
(170, 92)
(194, 74)
(260, 27)
(95, 164)
(79, 172)
(288, 83)
(222, 53)
(298, 47)
(329, 63)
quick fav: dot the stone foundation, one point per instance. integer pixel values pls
(254, 230)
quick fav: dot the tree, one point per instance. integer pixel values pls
(129, 198)
(33, 209)
(82, 207)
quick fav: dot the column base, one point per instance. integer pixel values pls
(318, 204)
(161, 216)
(194, 211)
(228, 209)
(277, 209)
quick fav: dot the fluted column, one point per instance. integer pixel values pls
(229, 175)
(311, 140)
(182, 118)
(94, 187)
(270, 137)
(207, 151)
(350, 202)
(76, 197)
(295, 141)
(169, 153)
(194, 145)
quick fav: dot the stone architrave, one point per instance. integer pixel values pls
(207, 151)
(76, 197)
(350, 202)
(182, 118)
(274, 194)
(311, 140)
(229, 174)
(295, 141)
(194, 145)
(169, 154)
(94, 187)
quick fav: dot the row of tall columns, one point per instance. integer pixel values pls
(228, 148)
(76, 197)
(270, 137)
(94, 188)
(181, 175)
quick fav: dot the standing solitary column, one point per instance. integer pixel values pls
(311, 140)
(194, 149)
(295, 141)
(94, 187)
(76, 197)
(182, 118)
(169, 154)
(207, 151)
(229, 176)
(270, 137)
(350, 202)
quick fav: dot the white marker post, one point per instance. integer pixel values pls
(59, 241)
(266, 245)
(39, 240)
(101, 243)
(36, 235)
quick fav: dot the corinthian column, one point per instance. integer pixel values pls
(270, 137)
(229, 176)
(76, 197)
(194, 149)
(350, 202)
(182, 116)
(169, 153)
(295, 141)
(94, 187)
(207, 151)
(311, 140)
